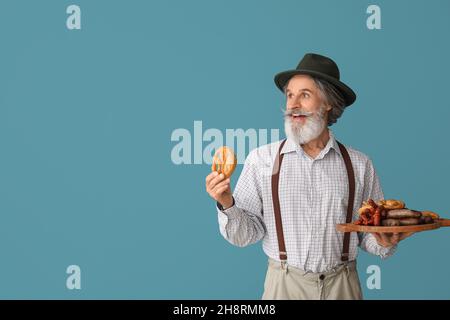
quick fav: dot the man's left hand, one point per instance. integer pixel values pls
(391, 239)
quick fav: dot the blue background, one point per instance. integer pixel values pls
(86, 117)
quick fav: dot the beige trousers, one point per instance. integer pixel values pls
(289, 283)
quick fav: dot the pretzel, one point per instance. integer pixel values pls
(392, 204)
(430, 214)
(224, 161)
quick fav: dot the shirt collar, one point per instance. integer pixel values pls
(291, 146)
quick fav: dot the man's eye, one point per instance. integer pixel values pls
(289, 95)
(306, 95)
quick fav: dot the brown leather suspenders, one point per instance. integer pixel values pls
(276, 201)
(351, 198)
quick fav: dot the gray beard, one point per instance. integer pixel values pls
(310, 130)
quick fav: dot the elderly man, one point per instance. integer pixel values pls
(292, 193)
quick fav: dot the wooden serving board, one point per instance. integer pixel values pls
(350, 227)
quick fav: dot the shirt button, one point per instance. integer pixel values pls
(322, 276)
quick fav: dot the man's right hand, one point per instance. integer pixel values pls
(219, 189)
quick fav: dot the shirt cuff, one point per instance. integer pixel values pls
(219, 206)
(370, 244)
(385, 252)
(230, 212)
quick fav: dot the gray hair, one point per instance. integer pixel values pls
(331, 96)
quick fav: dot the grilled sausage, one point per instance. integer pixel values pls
(409, 221)
(390, 222)
(426, 220)
(402, 213)
(377, 215)
(372, 203)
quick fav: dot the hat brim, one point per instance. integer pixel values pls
(283, 77)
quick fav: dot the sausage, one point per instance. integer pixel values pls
(364, 218)
(376, 219)
(372, 203)
(431, 214)
(403, 213)
(363, 208)
(377, 215)
(372, 210)
(390, 222)
(426, 220)
(409, 221)
(429, 220)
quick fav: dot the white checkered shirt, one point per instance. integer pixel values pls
(313, 199)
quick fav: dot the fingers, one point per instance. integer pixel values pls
(391, 238)
(385, 237)
(395, 238)
(221, 185)
(381, 239)
(210, 176)
(377, 236)
(220, 189)
(213, 179)
(217, 187)
(216, 179)
(406, 235)
(213, 175)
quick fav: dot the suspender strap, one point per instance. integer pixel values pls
(351, 198)
(276, 203)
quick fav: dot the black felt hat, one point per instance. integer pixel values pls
(321, 67)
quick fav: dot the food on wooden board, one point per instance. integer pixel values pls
(392, 213)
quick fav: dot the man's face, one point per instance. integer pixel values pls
(305, 116)
(303, 93)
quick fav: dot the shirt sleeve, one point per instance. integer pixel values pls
(372, 190)
(242, 224)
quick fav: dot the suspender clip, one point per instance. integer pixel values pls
(283, 259)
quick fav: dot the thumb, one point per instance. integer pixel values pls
(406, 235)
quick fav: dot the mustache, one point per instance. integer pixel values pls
(296, 111)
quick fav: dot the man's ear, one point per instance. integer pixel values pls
(328, 107)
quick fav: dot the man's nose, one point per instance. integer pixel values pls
(295, 102)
